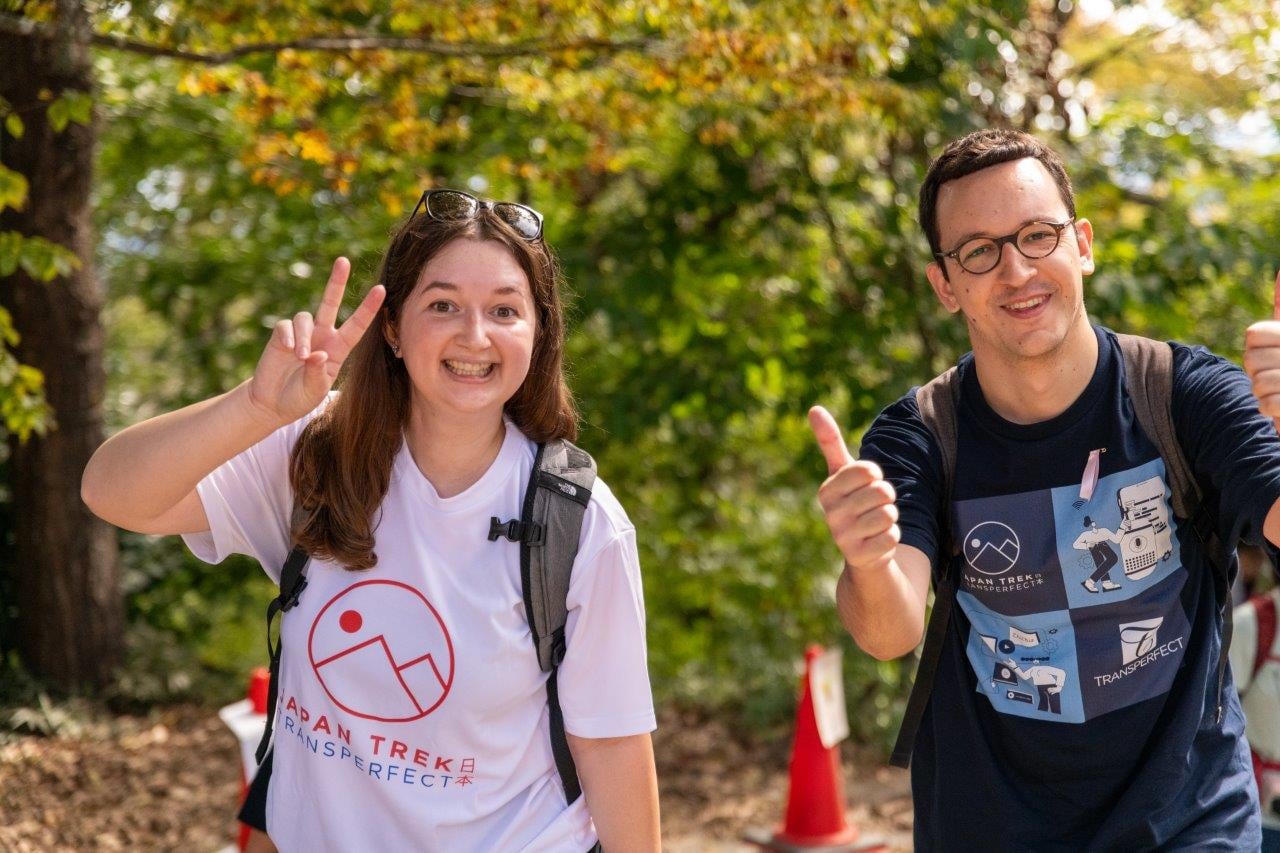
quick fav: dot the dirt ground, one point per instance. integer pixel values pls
(170, 781)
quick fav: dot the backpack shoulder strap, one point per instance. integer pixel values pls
(555, 502)
(293, 580)
(1148, 374)
(937, 401)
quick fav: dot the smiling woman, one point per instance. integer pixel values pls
(415, 625)
(467, 332)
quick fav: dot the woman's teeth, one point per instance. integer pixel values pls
(469, 368)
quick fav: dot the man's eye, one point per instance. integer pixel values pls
(977, 251)
(1038, 236)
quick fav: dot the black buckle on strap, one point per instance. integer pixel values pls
(292, 601)
(558, 648)
(514, 530)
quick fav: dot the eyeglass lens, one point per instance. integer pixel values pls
(450, 204)
(519, 217)
(1035, 240)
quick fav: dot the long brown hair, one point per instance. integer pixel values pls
(341, 466)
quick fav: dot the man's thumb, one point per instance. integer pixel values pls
(830, 439)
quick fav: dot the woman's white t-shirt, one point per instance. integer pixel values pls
(412, 711)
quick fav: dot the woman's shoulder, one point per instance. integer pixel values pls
(605, 519)
(605, 511)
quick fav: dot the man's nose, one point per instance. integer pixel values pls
(1014, 268)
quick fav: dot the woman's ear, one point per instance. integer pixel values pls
(390, 335)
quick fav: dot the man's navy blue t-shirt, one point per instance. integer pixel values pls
(1075, 702)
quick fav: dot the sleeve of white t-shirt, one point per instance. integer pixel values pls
(249, 502)
(1244, 645)
(604, 679)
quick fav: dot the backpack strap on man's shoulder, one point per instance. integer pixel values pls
(293, 580)
(1148, 373)
(937, 400)
(1148, 368)
(555, 503)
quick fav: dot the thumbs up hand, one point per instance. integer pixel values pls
(857, 501)
(1262, 360)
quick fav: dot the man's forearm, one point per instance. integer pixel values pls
(882, 609)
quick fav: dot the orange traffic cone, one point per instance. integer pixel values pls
(815, 817)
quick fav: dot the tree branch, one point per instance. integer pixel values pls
(344, 44)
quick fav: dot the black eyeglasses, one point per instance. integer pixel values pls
(982, 254)
(457, 206)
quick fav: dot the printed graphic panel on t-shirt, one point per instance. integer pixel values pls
(1119, 543)
(1025, 665)
(381, 651)
(1130, 649)
(1008, 558)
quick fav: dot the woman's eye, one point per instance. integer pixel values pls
(440, 306)
(504, 312)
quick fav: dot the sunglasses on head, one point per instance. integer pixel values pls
(457, 206)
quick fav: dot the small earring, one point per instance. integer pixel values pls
(395, 349)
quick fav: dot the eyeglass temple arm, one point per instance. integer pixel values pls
(422, 199)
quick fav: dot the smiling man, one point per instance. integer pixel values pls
(1058, 705)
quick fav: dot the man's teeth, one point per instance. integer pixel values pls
(469, 368)
(1030, 303)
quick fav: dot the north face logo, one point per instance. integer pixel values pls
(567, 489)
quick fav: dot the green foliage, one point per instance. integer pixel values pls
(23, 410)
(197, 629)
(733, 201)
(70, 106)
(13, 189)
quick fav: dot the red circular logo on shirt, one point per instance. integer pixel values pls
(382, 652)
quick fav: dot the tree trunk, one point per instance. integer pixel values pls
(64, 567)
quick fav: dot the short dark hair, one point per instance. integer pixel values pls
(977, 151)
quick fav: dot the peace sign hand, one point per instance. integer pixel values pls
(303, 357)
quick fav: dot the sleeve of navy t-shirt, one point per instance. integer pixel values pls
(1231, 447)
(899, 442)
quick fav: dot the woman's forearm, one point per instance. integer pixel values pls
(620, 784)
(143, 471)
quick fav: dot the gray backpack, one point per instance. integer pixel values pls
(548, 532)
(1148, 367)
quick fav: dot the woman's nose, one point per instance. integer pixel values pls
(475, 332)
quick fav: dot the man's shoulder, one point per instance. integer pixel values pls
(898, 431)
(1190, 358)
(1197, 370)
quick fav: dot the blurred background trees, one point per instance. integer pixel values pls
(731, 187)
